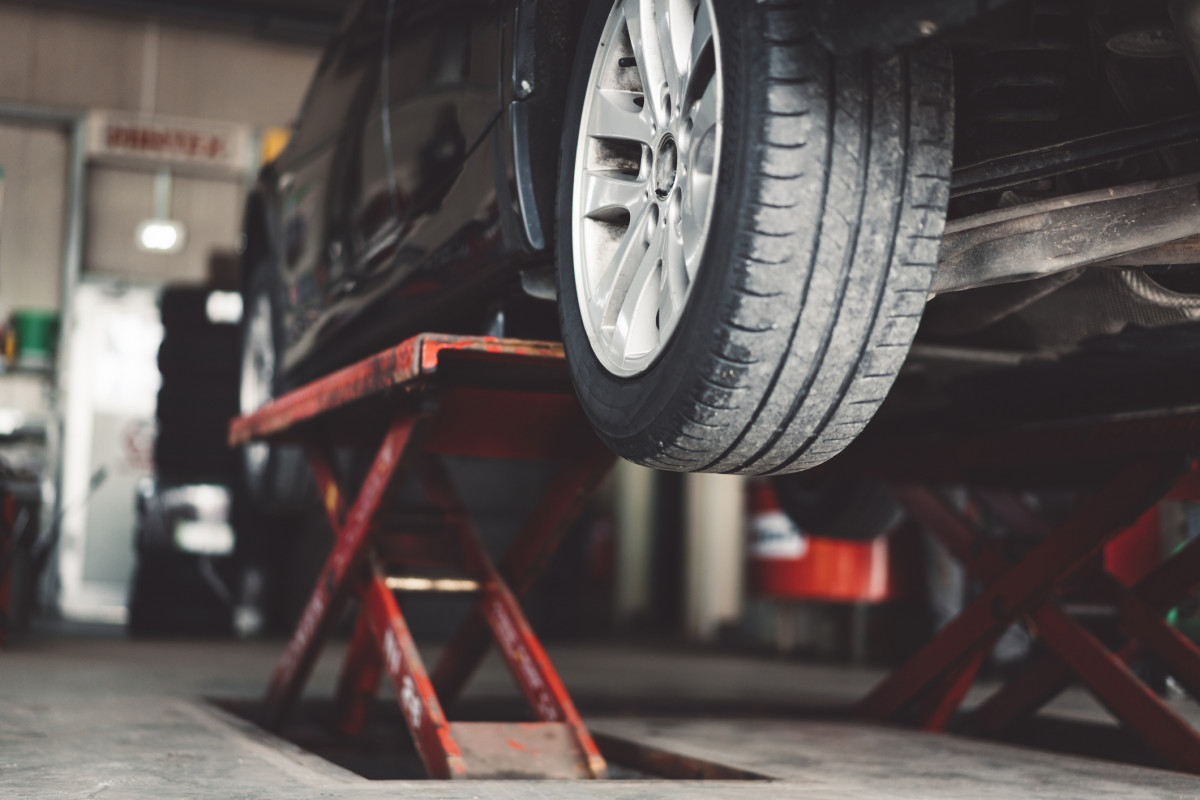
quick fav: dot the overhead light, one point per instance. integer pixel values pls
(160, 236)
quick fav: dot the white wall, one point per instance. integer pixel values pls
(31, 216)
(54, 57)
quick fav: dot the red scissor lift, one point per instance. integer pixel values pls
(1132, 462)
(444, 395)
(431, 396)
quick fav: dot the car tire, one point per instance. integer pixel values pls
(846, 509)
(168, 596)
(276, 478)
(831, 182)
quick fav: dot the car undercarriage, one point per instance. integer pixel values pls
(1067, 282)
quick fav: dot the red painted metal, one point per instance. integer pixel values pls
(333, 585)
(954, 687)
(525, 560)
(1023, 587)
(1132, 554)
(362, 670)
(1048, 676)
(400, 368)
(829, 570)
(473, 409)
(1120, 691)
(1106, 674)
(421, 710)
(817, 568)
(1179, 654)
(522, 651)
(488, 423)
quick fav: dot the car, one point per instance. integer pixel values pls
(734, 213)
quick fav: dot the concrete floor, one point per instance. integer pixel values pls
(86, 715)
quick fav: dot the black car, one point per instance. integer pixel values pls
(733, 211)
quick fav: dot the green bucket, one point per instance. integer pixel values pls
(37, 336)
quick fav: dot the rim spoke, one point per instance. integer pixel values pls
(609, 190)
(698, 193)
(635, 332)
(613, 284)
(704, 113)
(675, 277)
(701, 35)
(657, 68)
(615, 115)
(674, 23)
(693, 219)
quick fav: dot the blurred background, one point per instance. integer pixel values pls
(121, 202)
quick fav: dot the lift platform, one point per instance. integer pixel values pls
(1128, 463)
(431, 396)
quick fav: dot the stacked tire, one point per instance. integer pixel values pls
(176, 592)
(199, 362)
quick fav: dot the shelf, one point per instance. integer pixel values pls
(43, 371)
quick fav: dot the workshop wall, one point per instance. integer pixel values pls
(32, 215)
(61, 58)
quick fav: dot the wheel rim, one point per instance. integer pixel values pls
(258, 378)
(644, 178)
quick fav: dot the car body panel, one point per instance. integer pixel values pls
(390, 206)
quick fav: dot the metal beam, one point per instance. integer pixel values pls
(1066, 233)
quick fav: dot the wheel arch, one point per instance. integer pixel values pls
(541, 49)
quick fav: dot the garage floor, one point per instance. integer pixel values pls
(87, 714)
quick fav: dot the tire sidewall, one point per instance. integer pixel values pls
(634, 414)
(267, 489)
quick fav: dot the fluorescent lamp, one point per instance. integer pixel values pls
(160, 236)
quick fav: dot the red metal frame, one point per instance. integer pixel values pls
(474, 409)
(931, 685)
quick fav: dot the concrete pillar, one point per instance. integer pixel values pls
(714, 522)
(634, 505)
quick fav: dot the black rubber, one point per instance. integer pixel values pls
(169, 596)
(851, 509)
(285, 483)
(198, 395)
(831, 199)
(185, 308)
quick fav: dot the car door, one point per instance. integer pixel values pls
(332, 188)
(443, 66)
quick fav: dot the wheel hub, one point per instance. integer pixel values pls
(666, 166)
(257, 377)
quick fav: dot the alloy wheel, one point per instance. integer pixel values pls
(645, 175)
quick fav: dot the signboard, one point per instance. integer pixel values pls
(155, 141)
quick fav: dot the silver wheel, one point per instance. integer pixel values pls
(644, 176)
(258, 378)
